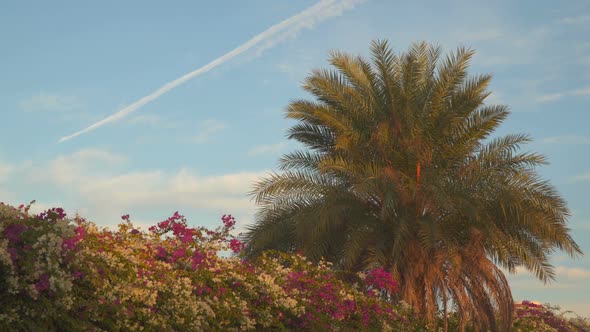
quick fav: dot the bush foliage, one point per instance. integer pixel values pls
(66, 274)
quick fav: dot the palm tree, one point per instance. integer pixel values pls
(400, 172)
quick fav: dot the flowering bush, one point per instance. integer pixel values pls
(533, 316)
(37, 259)
(69, 274)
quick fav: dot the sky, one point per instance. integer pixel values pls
(95, 119)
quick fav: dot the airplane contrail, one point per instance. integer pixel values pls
(305, 19)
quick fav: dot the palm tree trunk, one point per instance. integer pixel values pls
(445, 319)
(418, 170)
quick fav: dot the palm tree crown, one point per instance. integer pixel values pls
(400, 172)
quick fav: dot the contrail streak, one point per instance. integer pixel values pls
(306, 19)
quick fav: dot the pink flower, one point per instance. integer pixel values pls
(228, 221)
(381, 280)
(197, 259)
(236, 245)
(125, 217)
(164, 224)
(52, 214)
(13, 254)
(178, 254)
(13, 231)
(161, 253)
(43, 283)
(187, 236)
(71, 243)
(178, 229)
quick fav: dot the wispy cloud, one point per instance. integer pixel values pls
(206, 129)
(264, 149)
(476, 36)
(49, 102)
(153, 120)
(149, 119)
(576, 20)
(567, 139)
(581, 92)
(585, 91)
(298, 65)
(581, 177)
(550, 97)
(5, 171)
(572, 273)
(268, 38)
(494, 98)
(566, 278)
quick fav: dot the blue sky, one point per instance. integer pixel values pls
(199, 147)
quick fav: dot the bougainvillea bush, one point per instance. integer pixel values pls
(68, 274)
(60, 274)
(533, 316)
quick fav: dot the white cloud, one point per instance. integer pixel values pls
(483, 35)
(581, 92)
(299, 63)
(576, 19)
(68, 168)
(494, 98)
(5, 170)
(565, 278)
(572, 273)
(562, 273)
(206, 129)
(584, 224)
(582, 177)
(264, 149)
(567, 139)
(584, 91)
(48, 102)
(103, 192)
(550, 97)
(268, 38)
(288, 69)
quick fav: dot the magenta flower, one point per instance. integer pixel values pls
(164, 224)
(72, 242)
(178, 254)
(187, 236)
(228, 221)
(161, 252)
(178, 229)
(13, 231)
(52, 214)
(236, 245)
(381, 280)
(197, 259)
(43, 283)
